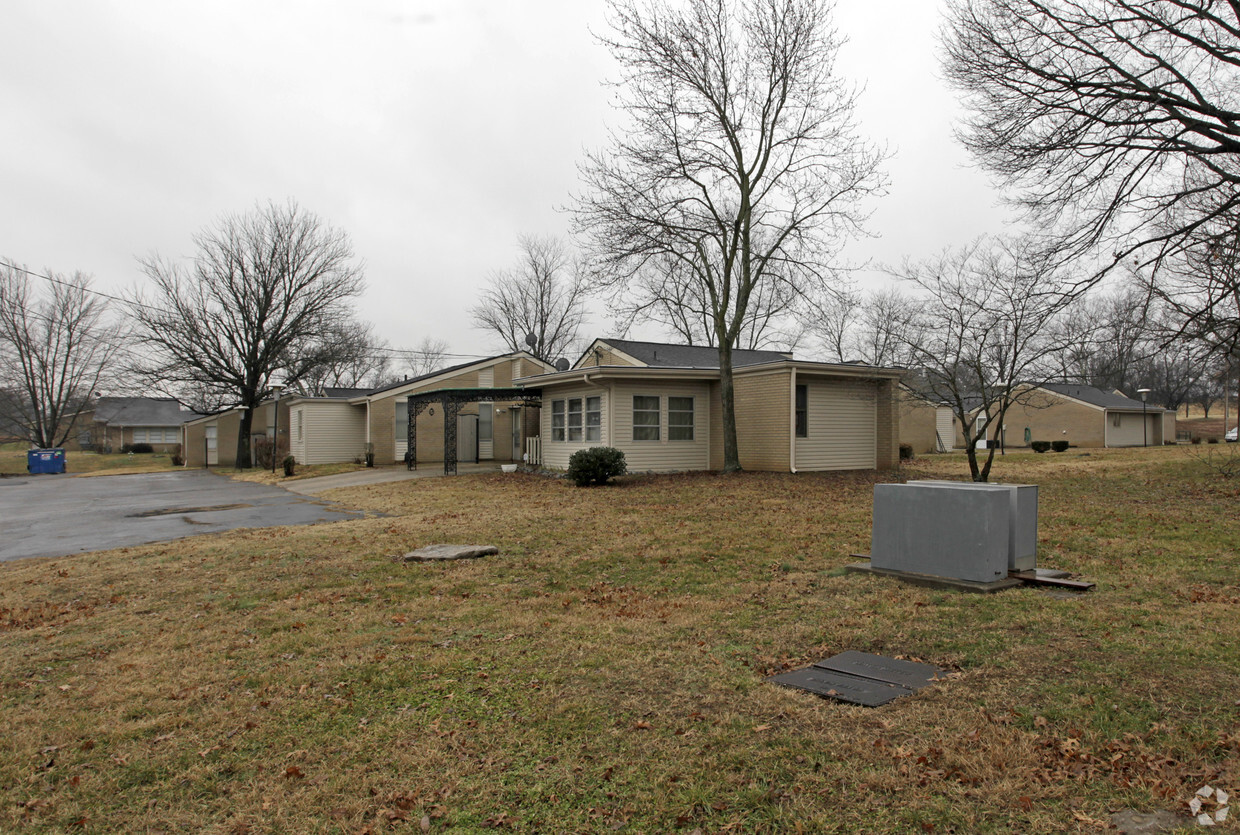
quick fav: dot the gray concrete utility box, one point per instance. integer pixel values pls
(1023, 521)
(962, 531)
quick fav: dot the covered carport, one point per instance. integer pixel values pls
(451, 400)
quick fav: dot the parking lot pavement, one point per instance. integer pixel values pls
(58, 515)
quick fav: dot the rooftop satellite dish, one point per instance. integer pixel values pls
(531, 340)
(561, 364)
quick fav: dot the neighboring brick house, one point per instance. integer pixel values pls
(116, 423)
(660, 404)
(1085, 416)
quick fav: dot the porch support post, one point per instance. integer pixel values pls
(451, 408)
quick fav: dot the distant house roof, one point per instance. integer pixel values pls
(1098, 397)
(344, 392)
(141, 411)
(665, 355)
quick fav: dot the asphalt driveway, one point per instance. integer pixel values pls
(57, 515)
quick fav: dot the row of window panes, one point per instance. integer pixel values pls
(569, 421)
(157, 435)
(566, 419)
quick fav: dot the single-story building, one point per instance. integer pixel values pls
(660, 404)
(347, 424)
(117, 423)
(211, 440)
(926, 424)
(1085, 417)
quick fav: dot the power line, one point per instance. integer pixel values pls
(386, 351)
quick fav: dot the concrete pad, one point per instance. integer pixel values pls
(934, 582)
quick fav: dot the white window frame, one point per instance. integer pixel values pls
(576, 420)
(657, 411)
(559, 428)
(680, 428)
(594, 419)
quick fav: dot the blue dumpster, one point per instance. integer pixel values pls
(39, 461)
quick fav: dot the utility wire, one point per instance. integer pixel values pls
(387, 352)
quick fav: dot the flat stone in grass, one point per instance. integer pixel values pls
(434, 553)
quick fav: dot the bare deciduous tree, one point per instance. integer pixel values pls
(428, 356)
(985, 331)
(738, 161)
(349, 355)
(543, 296)
(1104, 116)
(55, 348)
(264, 291)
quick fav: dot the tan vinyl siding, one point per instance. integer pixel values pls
(842, 426)
(556, 453)
(1129, 431)
(763, 420)
(663, 455)
(331, 433)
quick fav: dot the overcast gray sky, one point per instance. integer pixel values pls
(433, 132)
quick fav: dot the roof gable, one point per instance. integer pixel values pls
(1098, 397)
(420, 381)
(141, 411)
(667, 355)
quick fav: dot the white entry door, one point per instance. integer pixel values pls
(213, 453)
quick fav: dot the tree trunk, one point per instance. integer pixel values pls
(731, 451)
(243, 439)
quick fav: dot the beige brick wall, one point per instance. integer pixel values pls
(763, 409)
(1053, 419)
(917, 419)
(887, 447)
(716, 426)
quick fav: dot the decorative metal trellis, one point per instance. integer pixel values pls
(451, 401)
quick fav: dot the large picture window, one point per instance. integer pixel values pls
(594, 418)
(680, 418)
(645, 418)
(802, 411)
(574, 420)
(557, 420)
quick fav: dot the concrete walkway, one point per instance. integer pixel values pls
(379, 475)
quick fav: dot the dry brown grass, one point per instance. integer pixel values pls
(13, 462)
(607, 669)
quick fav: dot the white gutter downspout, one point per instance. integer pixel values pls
(792, 428)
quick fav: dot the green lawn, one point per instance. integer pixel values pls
(607, 671)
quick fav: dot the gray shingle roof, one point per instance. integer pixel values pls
(141, 411)
(663, 355)
(1098, 397)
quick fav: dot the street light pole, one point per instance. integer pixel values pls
(1145, 424)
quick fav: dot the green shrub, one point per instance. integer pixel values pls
(1039, 446)
(290, 463)
(906, 452)
(1059, 446)
(595, 465)
(138, 448)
